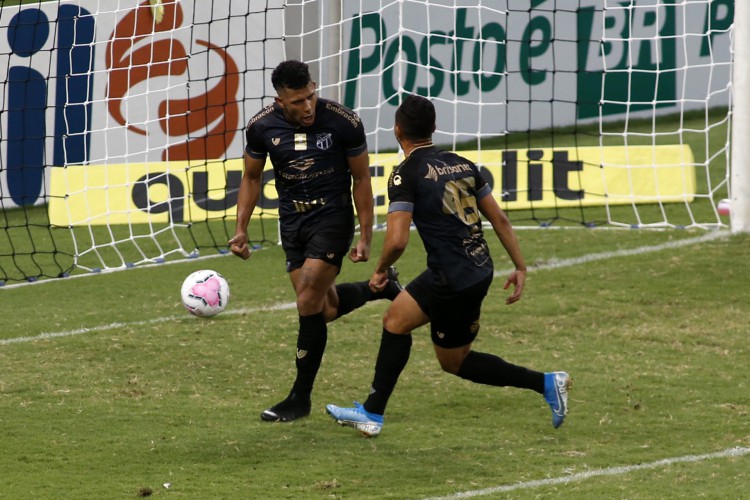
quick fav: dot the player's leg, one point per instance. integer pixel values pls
(329, 239)
(404, 315)
(485, 368)
(454, 327)
(311, 282)
(346, 297)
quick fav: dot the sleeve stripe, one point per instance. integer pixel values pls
(484, 191)
(401, 206)
(254, 154)
(351, 152)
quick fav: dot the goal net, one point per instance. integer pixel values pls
(123, 119)
(582, 112)
(123, 129)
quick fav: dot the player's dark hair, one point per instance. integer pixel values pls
(291, 75)
(416, 117)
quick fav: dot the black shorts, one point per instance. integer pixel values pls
(327, 238)
(454, 316)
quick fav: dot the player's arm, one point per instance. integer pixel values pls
(362, 193)
(504, 231)
(247, 199)
(396, 240)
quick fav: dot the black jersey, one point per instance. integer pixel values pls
(442, 189)
(309, 163)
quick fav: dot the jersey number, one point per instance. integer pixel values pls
(459, 200)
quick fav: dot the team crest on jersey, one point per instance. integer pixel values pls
(275, 141)
(300, 142)
(324, 141)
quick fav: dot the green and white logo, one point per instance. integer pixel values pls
(573, 59)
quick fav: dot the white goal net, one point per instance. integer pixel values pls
(583, 112)
(123, 119)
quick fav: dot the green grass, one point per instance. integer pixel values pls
(137, 393)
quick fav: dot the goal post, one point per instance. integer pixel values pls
(740, 185)
(122, 120)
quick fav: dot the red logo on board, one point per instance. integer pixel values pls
(133, 59)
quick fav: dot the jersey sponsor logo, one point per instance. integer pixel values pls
(301, 176)
(396, 180)
(431, 173)
(324, 141)
(300, 142)
(265, 112)
(302, 164)
(451, 169)
(350, 117)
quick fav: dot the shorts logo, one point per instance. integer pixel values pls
(300, 142)
(330, 255)
(275, 141)
(440, 335)
(324, 141)
(301, 353)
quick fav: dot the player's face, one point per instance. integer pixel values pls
(299, 104)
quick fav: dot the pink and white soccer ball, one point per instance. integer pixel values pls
(205, 293)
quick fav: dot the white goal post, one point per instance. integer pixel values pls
(740, 184)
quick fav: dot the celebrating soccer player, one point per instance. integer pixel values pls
(318, 150)
(444, 194)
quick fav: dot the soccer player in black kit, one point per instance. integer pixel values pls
(318, 150)
(444, 194)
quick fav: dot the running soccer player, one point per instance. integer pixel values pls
(318, 150)
(444, 194)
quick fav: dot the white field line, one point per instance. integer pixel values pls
(554, 264)
(130, 324)
(585, 259)
(609, 471)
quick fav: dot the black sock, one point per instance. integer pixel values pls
(392, 358)
(311, 343)
(353, 296)
(489, 369)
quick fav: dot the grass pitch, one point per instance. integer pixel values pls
(108, 389)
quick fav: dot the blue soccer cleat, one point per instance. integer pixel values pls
(368, 424)
(556, 387)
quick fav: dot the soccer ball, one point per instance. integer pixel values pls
(205, 293)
